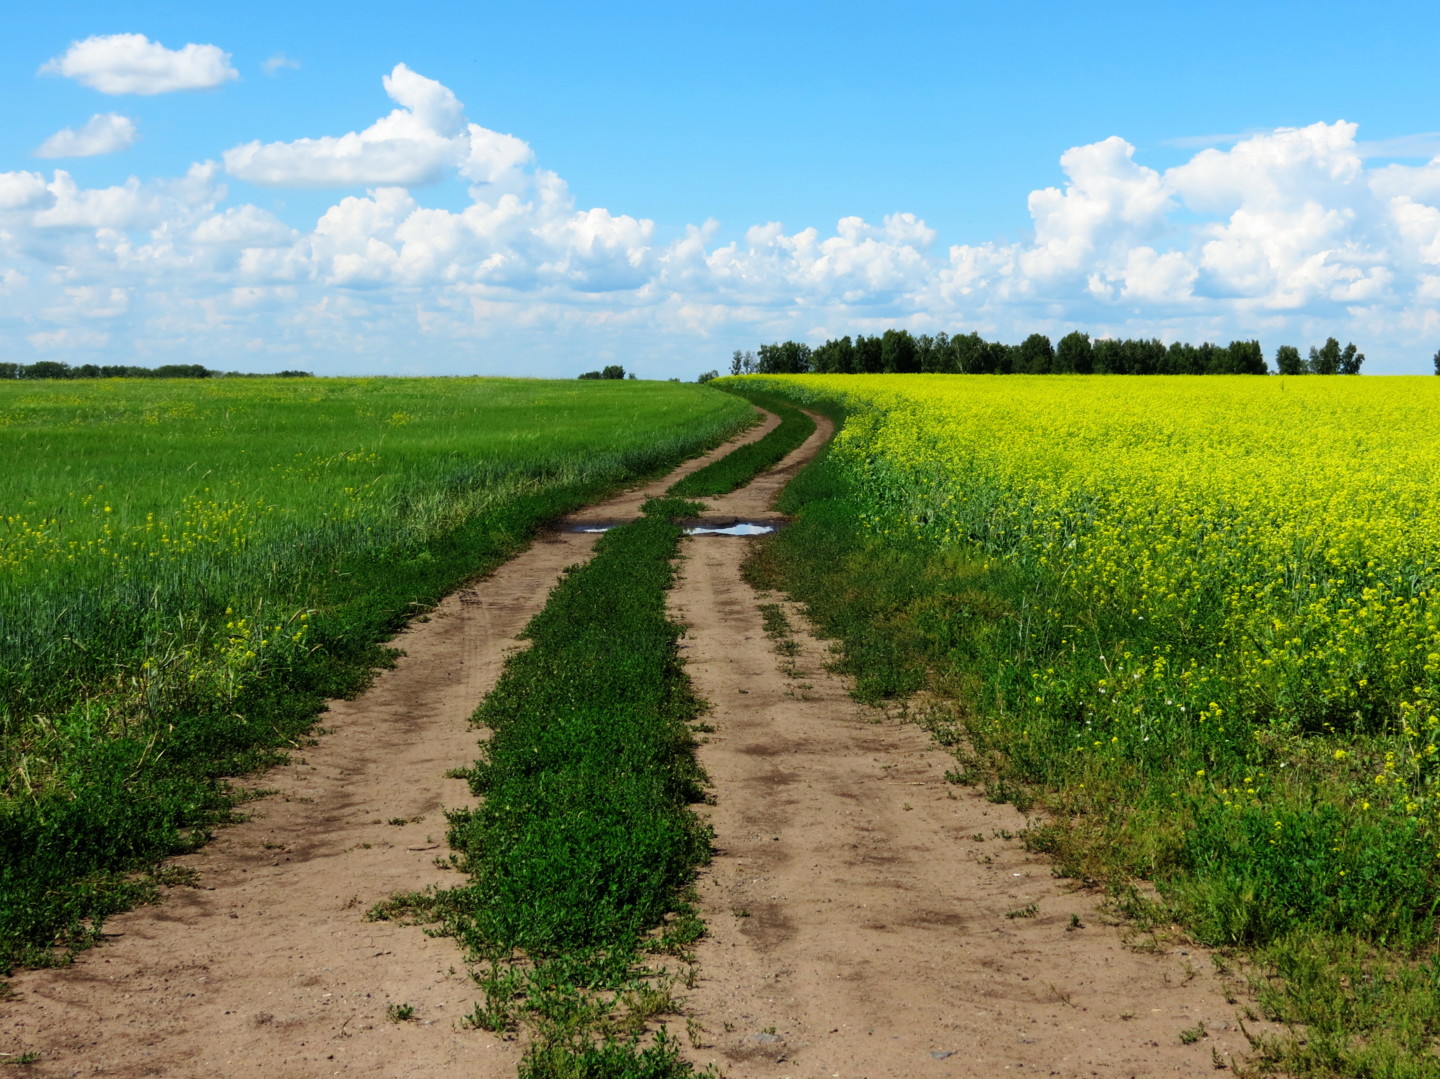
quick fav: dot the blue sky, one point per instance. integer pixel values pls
(1237, 205)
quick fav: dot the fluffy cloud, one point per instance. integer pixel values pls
(103, 133)
(1286, 235)
(133, 64)
(1288, 223)
(415, 144)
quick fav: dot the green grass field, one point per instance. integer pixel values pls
(190, 568)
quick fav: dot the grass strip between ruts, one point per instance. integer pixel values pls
(584, 841)
(741, 465)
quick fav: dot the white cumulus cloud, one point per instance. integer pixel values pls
(103, 133)
(133, 64)
(415, 144)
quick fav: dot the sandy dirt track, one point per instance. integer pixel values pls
(858, 902)
(269, 967)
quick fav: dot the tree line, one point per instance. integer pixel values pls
(56, 369)
(614, 370)
(900, 352)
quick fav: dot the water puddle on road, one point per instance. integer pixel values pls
(743, 528)
(726, 526)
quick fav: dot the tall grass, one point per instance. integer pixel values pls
(190, 568)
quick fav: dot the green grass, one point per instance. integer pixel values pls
(739, 466)
(583, 836)
(1336, 910)
(191, 568)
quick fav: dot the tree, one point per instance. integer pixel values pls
(834, 357)
(1247, 358)
(899, 354)
(1288, 361)
(613, 370)
(1325, 360)
(967, 354)
(934, 352)
(1000, 358)
(706, 376)
(742, 363)
(1179, 358)
(785, 358)
(1107, 357)
(1236, 358)
(1034, 355)
(1437, 361)
(867, 355)
(1331, 359)
(1073, 355)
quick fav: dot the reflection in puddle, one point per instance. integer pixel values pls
(715, 526)
(744, 528)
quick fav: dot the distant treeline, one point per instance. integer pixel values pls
(898, 352)
(55, 369)
(613, 371)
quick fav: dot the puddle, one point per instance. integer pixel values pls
(695, 526)
(744, 528)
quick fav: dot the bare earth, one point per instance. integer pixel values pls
(857, 902)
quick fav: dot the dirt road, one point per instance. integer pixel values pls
(860, 907)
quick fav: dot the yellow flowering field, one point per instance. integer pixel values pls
(1220, 592)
